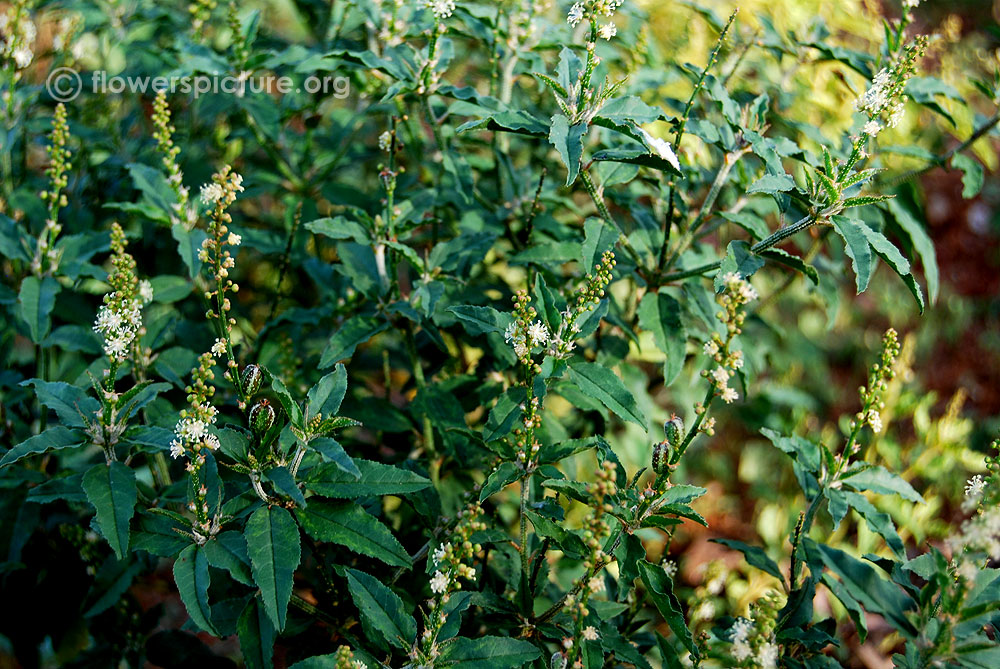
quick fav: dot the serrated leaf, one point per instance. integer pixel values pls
(879, 480)
(500, 478)
(192, 579)
(288, 403)
(376, 479)
(857, 248)
(53, 439)
(348, 524)
(339, 228)
(69, 402)
(332, 450)
(481, 320)
(568, 140)
(326, 396)
(37, 299)
(771, 184)
(354, 332)
(285, 483)
(660, 314)
(973, 175)
(600, 383)
(741, 260)
(862, 200)
(885, 250)
(795, 262)
(228, 550)
(661, 590)
(755, 556)
(274, 550)
(488, 652)
(804, 451)
(382, 608)
(111, 490)
(598, 238)
(256, 634)
(921, 242)
(505, 413)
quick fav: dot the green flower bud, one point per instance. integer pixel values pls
(674, 429)
(261, 417)
(251, 379)
(661, 457)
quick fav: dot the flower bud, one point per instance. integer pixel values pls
(261, 417)
(661, 457)
(251, 379)
(674, 429)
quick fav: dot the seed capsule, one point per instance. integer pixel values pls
(261, 417)
(674, 429)
(661, 457)
(251, 379)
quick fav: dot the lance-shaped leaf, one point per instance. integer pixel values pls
(568, 140)
(885, 250)
(661, 590)
(755, 556)
(382, 608)
(192, 579)
(273, 545)
(37, 299)
(325, 397)
(256, 634)
(53, 439)
(481, 320)
(330, 480)
(112, 491)
(857, 248)
(488, 652)
(500, 478)
(69, 402)
(348, 524)
(600, 383)
(660, 314)
(355, 331)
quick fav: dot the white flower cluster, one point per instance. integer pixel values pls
(911, 4)
(739, 288)
(600, 8)
(590, 633)
(441, 9)
(441, 582)
(211, 193)
(17, 36)
(536, 335)
(875, 420)
(740, 633)
(974, 489)
(978, 539)
(119, 321)
(878, 99)
(190, 431)
(575, 14)
(385, 141)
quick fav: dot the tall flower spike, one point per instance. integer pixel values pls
(163, 132)
(120, 318)
(46, 259)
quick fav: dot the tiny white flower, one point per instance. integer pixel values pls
(385, 141)
(670, 568)
(590, 633)
(736, 360)
(211, 193)
(176, 448)
(234, 239)
(538, 333)
(767, 657)
(596, 584)
(711, 348)
(721, 376)
(871, 128)
(439, 583)
(439, 553)
(875, 420)
(607, 31)
(146, 291)
(441, 9)
(975, 486)
(575, 14)
(729, 395)
(219, 347)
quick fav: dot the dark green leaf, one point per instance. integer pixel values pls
(488, 652)
(37, 299)
(600, 383)
(273, 545)
(112, 491)
(53, 439)
(348, 524)
(382, 608)
(192, 579)
(661, 590)
(376, 479)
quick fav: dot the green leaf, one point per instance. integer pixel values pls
(284, 483)
(256, 634)
(804, 451)
(500, 478)
(53, 439)
(854, 609)
(339, 228)
(598, 238)
(37, 299)
(795, 262)
(857, 248)
(864, 584)
(355, 331)
(739, 260)
(273, 545)
(973, 175)
(750, 222)
(629, 108)
(891, 255)
(771, 184)
(660, 314)
(331, 449)
(376, 479)
(488, 652)
(348, 524)
(288, 403)
(192, 579)
(505, 413)
(879, 480)
(879, 522)
(600, 383)
(922, 244)
(112, 491)
(67, 401)
(568, 141)
(382, 608)
(481, 320)
(755, 556)
(325, 397)
(661, 590)
(636, 156)
(228, 551)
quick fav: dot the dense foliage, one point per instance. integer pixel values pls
(437, 333)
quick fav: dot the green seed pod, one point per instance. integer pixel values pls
(261, 417)
(251, 379)
(674, 429)
(661, 457)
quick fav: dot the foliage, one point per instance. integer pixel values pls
(387, 390)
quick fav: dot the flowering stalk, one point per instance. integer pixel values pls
(46, 259)
(163, 132)
(220, 194)
(452, 560)
(201, 12)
